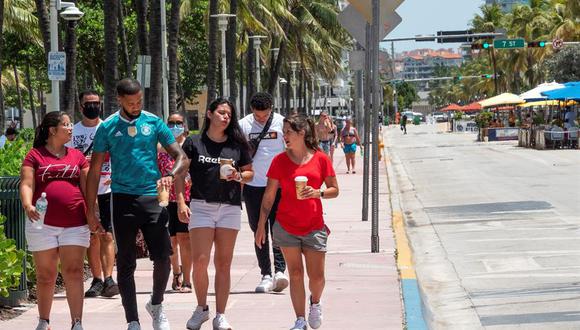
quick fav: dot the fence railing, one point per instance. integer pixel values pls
(11, 208)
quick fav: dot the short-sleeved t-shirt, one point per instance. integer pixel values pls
(132, 146)
(204, 169)
(300, 217)
(60, 180)
(82, 140)
(271, 145)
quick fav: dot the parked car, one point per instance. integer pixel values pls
(439, 117)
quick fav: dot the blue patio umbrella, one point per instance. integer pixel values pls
(571, 91)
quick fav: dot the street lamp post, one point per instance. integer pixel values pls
(294, 66)
(283, 82)
(164, 61)
(275, 52)
(223, 27)
(257, 43)
(70, 13)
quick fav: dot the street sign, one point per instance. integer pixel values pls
(56, 65)
(365, 8)
(557, 44)
(144, 70)
(356, 60)
(509, 43)
(354, 23)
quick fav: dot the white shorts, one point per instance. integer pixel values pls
(50, 237)
(214, 215)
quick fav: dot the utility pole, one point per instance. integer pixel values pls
(375, 146)
(164, 61)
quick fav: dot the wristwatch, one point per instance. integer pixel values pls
(321, 193)
(171, 175)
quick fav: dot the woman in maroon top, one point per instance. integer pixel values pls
(300, 228)
(60, 172)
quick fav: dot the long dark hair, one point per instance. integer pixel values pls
(302, 123)
(51, 119)
(233, 131)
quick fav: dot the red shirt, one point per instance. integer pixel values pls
(300, 217)
(60, 179)
(165, 163)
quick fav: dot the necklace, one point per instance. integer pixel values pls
(56, 154)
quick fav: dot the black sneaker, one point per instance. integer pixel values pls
(96, 288)
(111, 288)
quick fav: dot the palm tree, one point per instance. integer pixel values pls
(565, 17)
(69, 92)
(43, 24)
(111, 55)
(213, 41)
(1, 58)
(155, 89)
(231, 47)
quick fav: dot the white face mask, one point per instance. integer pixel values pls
(177, 130)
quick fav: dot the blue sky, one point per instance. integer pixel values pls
(430, 16)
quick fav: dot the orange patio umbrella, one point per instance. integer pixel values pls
(452, 107)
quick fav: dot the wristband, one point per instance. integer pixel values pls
(170, 174)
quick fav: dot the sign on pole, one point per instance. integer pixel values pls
(557, 44)
(144, 70)
(354, 23)
(509, 43)
(56, 65)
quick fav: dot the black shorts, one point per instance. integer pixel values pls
(105, 211)
(133, 212)
(175, 226)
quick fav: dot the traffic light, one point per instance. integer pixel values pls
(484, 45)
(457, 78)
(487, 76)
(536, 44)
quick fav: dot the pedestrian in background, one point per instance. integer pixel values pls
(9, 136)
(131, 136)
(300, 230)
(60, 172)
(220, 163)
(101, 252)
(263, 129)
(324, 131)
(178, 231)
(349, 139)
(404, 124)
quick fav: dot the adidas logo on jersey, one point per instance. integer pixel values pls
(118, 134)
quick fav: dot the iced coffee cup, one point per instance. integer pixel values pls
(162, 196)
(226, 168)
(301, 182)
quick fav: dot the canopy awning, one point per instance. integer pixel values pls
(502, 99)
(546, 103)
(452, 107)
(472, 107)
(571, 91)
(535, 94)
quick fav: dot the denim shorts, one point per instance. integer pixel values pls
(315, 240)
(349, 148)
(214, 215)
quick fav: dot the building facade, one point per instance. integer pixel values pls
(421, 64)
(507, 5)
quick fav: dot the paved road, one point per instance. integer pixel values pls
(362, 288)
(494, 229)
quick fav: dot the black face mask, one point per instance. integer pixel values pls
(92, 110)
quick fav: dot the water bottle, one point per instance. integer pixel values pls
(41, 206)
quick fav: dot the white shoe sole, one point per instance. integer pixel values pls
(281, 284)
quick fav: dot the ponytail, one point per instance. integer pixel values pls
(51, 119)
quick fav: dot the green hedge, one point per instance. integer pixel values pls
(10, 262)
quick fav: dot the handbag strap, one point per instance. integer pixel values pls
(263, 134)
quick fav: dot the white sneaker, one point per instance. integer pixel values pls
(280, 282)
(265, 285)
(134, 325)
(199, 316)
(42, 325)
(160, 321)
(220, 323)
(77, 325)
(315, 315)
(300, 324)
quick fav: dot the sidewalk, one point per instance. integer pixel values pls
(362, 288)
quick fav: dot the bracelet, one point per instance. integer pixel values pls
(170, 174)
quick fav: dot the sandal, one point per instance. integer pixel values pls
(176, 284)
(185, 288)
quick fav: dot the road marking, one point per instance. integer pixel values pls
(411, 297)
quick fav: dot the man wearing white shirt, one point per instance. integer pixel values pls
(101, 252)
(269, 143)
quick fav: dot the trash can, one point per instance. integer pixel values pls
(11, 208)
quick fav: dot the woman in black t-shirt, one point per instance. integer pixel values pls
(220, 162)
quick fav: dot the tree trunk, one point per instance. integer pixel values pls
(231, 43)
(141, 7)
(241, 104)
(18, 94)
(288, 92)
(1, 60)
(30, 92)
(124, 45)
(70, 84)
(155, 91)
(172, 41)
(213, 52)
(275, 69)
(111, 56)
(43, 24)
(251, 74)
